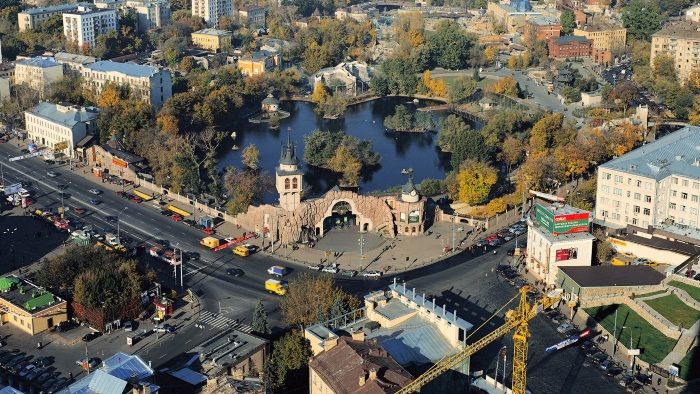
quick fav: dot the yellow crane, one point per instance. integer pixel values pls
(515, 319)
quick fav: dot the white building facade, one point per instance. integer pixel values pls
(85, 25)
(29, 18)
(149, 84)
(212, 10)
(38, 73)
(51, 124)
(654, 184)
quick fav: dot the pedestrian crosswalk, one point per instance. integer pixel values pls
(209, 319)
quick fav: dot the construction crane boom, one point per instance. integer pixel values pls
(514, 319)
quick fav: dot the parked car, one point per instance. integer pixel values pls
(349, 273)
(482, 242)
(330, 269)
(136, 200)
(14, 361)
(177, 218)
(58, 385)
(47, 384)
(129, 326)
(570, 333)
(35, 373)
(372, 274)
(315, 267)
(43, 377)
(189, 222)
(496, 242)
(634, 387)
(87, 362)
(234, 271)
(163, 328)
(42, 361)
(510, 252)
(606, 364)
(643, 379)
(559, 319)
(64, 326)
(599, 358)
(592, 351)
(26, 370)
(91, 335)
(613, 371)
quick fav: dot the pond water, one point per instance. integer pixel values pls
(365, 121)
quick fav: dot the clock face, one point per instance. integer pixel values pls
(413, 192)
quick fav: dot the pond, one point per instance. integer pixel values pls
(365, 121)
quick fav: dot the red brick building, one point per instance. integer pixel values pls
(541, 28)
(569, 47)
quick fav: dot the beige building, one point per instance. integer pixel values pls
(149, 84)
(605, 37)
(4, 87)
(150, 14)
(212, 10)
(29, 307)
(38, 73)
(86, 24)
(29, 18)
(652, 185)
(51, 125)
(682, 43)
(259, 62)
(253, 14)
(212, 39)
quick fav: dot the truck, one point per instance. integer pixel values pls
(167, 254)
(111, 239)
(210, 242)
(241, 250)
(277, 270)
(278, 287)
(617, 261)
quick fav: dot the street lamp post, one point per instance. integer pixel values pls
(182, 262)
(361, 241)
(63, 208)
(630, 348)
(119, 236)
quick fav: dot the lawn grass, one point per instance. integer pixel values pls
(654, 345)
(449, 80)
(676, 311)
(690, 365)
(693, 291)
(653, 293)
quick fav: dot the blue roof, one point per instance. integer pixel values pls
(130, 69)
(10, 390)
(55, 8)
(189, 376)
(40, 62)
(97, 382)
(69, 118)
(124, 366)
(675, 154)
(112, 377)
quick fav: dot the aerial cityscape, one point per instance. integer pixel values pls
(333, 197)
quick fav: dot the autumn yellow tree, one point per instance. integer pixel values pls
(539, 171)
(168, 124)
(694, 113)
(415, 38)
(490, 54)
(475, 180)
(496, 206)
(543, 133)
(624, 138)
(250, 156)
(112, 96)
(320, 94)
(525, 58)
(507, 86)
(511, 152)
(345, 163)
(574, 160)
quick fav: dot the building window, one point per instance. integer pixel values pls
(638, 196)
(647, 198)
(647, 185)
(606, 175)
(647, 211)
(693, 211)
(602, 214)
(674, 180)
(634, 221)
(696, 185)
(639, 183)
(682, 207)
(286, 183)
(673, 193)
(617, 192)
(605, 189)
(684, 196)
(685, 182)
(636, 209)
(616, 204)
(618, 178)
(672, 205)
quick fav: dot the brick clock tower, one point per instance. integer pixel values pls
(289, 179)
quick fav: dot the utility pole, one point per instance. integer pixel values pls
(453, 233)
(615, 334)
(119, 236)
(361, 241)
(87, 359)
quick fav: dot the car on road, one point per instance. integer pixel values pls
(587, 345)
(606, 364)
(163, 328)
(234, 271)
(599, 358)
(192, 256)
(129, 326)
(95, 201)
(592, 352)
(136, 200)
(91, 362)
(42, 361)
(25, 150)
(165, 212)
(330, 269)
(52, 174)
(94, 191)
(372, 274)
(79, 210)
(510, 252)
(349, 273)
(481, 242)
(496, 242)
(177, 218)
(634, 388)
(315, 267)
(564, 327)
(111, 219)
(613, 371)
(91, 335)
(643, 379)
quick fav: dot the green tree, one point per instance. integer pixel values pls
(603, 248)
(568, 22)
(259, 323)
(345, 163)
(450, 45)
(431, 187)
(664, 67)
(251, 156)
(572, 94)
(68, 89)
(642, 18)
(501, 125)
(461, 89)
(306, 293)
(245, 187)
(475, 180)
(401, 120)
(338, 309)
(290, 358)
(544, 132)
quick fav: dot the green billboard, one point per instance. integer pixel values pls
(562, 223)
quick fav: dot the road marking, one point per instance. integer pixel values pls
(222, 322)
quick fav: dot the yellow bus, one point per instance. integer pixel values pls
(178, 211)
(143, 196)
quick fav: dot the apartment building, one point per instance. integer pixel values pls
(212, 39)
(29, 18)
(72, 63)
(605, 37)
(150, 14)
(51, 124)
(259, 62)
(541, 28)
(150, 84)
(254, 14)
(4, 88)
(38, 73)
(682, 43)
(653, 184)
(212, 10)
(86, 24)
(569, 47)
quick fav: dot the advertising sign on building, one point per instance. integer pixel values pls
(13, 189)
(563, 223)
(119, 162)
(566, 254)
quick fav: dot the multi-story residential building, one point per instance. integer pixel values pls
(605, 37)
(4, 87)
(38, 73)
(653, 184)
(72, 63)
(681, 42)
(212, 10)
(51, 125)
(150, 84)
(150, 14)
(693, 13)
(212, 39)
(540, 28)
(255, 15)
(568, 47)
(84, 25)
(259, 62)
(29, 18)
